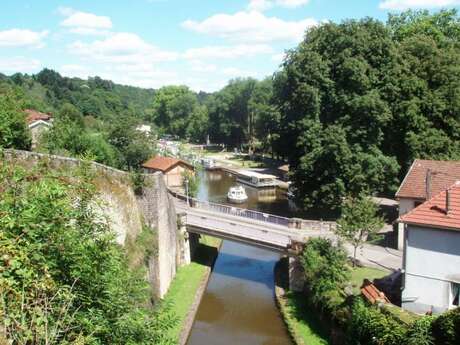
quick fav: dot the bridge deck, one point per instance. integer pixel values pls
(252, 231)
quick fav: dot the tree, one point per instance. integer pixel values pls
(358, 220)
(13, 129)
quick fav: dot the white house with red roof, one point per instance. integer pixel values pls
(424, 179)
(37, 122)
(431, 262)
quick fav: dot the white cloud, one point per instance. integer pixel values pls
(127, 48)
(201, 67)
(251, 27)
(19, 64)
(227, 52)
(401, 5)
(85, 23)
(233, 72)
(22, 38)
(262, 5)
(278, 58)
(75, 71)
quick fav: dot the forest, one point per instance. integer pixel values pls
(349, 108)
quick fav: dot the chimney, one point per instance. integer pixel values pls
(428, 184)
(448, 210)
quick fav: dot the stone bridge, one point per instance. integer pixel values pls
(280, 234)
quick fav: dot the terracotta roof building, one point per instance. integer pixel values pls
(173, 169)
(440, 212)
(37, 122)
(428, 177)
(432, 253)
(424, 179)
(34, 116)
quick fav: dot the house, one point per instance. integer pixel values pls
(431, 261)
(38, 123)
(424, 179)
(173, 169)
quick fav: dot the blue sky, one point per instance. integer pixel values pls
(151, 43)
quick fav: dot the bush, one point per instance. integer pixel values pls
(446, 328)
(326, 272)
(420, 332)
(63, 278)
(368, 325)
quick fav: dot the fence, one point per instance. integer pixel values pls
(296, 223)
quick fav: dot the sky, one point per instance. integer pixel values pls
(151, 43)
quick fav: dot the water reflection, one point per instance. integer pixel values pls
(238, 306)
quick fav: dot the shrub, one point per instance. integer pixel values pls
(326, 272)
(63, 278)
(420, 332)
(368, 325)
(446, 328)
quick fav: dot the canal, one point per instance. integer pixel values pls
(238, 306)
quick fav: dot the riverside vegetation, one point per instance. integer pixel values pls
(63, 278)
(328, 310)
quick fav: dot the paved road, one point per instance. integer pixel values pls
(280, 237)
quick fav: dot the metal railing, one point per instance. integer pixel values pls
(233, 211)
(294, 223)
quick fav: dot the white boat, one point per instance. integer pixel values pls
(237, 195)
(255, 179)
(208, 163)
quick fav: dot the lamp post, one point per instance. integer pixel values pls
(186, 190)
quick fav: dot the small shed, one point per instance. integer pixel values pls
(173, 169)
(38, 123)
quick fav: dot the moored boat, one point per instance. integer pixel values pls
(237, 195)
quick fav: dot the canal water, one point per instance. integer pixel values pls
(238, 306)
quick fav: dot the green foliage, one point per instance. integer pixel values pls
(369, 326)
(420, 332)
(360, 100)
(191, 182)
(446, 328)
(63, 278)
(176, 110)
(358, 220)
(326, 273)
(13, 130)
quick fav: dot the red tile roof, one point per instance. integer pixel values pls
(435, 213)
(34, 115)
(164, 163)
(443, 175)
(372, 294)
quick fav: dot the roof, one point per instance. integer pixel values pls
(443, 174)
(34, 115)
(441, 211)
(164, 163)
(250, 173)
(372, 294)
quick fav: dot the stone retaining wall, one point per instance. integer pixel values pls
(127, 212)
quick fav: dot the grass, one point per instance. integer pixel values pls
(184, 287)
(358, 274)
(304, 325)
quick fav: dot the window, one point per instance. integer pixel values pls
(455, 294)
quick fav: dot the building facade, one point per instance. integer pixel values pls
(432, 254)
(174, 170)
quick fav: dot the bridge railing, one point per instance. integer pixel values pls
(294, 223)
(233, 211)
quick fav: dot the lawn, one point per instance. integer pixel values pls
(358, 274)
(303, 323)
(183, 289)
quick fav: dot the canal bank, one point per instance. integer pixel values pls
(188, 287)
(238, 305)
